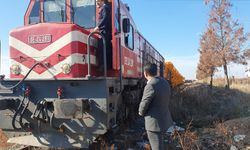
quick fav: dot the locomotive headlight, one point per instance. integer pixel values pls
(15, 69)
(66, 69)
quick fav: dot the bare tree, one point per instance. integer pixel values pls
(205, 70)
(229, 34)
(209, 59)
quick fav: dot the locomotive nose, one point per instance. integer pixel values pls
(62, 47)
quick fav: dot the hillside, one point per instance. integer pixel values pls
(217, 116)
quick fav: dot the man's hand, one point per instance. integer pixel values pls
(140, 114)
(96, 29)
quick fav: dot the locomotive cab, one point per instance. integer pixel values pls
(56, 34)
(57, 96)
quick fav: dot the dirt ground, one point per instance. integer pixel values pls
(234, 132)
(3, 140)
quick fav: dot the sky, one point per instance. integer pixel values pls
(173, 27)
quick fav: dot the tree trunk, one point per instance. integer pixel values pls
(227, 86)
(211, 81)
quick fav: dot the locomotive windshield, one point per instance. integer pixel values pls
(83, 13)
(54, 10)
(34, 15)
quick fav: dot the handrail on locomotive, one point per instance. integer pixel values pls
(104, 53)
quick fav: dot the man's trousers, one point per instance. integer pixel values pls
(155, 140)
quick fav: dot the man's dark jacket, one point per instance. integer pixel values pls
(105, 27)
(154, 105)
(104, 21)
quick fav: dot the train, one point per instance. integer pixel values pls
(56, 96)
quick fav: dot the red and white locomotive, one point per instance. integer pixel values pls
(56, 95)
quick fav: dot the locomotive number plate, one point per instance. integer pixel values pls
(40, 39)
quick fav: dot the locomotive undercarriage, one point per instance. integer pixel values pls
(66, 113)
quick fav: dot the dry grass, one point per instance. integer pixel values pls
(241, 92)
(225, 133)
(188, 139)
(197, 102)
(204, 106)
(242, 84)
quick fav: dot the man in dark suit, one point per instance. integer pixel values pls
(104, 26)
(154, 107)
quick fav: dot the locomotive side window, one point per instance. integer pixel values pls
(34, 15)
(161, 69)
(54, 11)
(129, 38)
(83, 13)
(117, 25)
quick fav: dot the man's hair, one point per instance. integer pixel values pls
(105, 1)
(151, 69)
